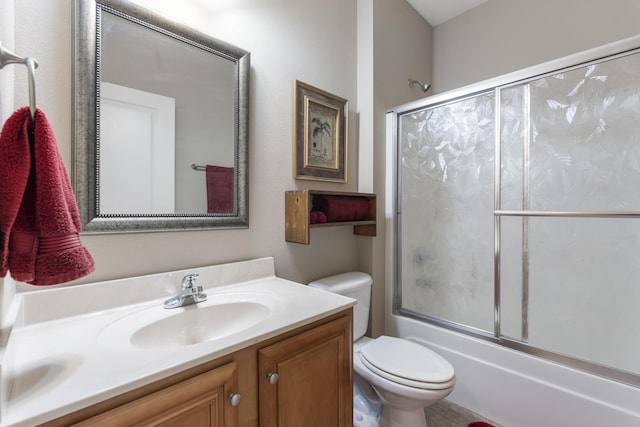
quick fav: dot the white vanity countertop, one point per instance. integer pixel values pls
(56, 364)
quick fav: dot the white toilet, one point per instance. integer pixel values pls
(405, 376)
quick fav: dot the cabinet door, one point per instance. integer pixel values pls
(314, 386)
(201, 401)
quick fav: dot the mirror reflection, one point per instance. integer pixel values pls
(168, 150)
(160, 112)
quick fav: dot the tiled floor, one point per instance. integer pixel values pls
(447, 414)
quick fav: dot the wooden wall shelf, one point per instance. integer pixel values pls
(298, 205)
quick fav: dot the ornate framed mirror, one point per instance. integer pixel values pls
(161, 123)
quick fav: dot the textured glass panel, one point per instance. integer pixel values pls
(585, 150)
(446, 203)
(513, 136)
(584, 293)
(511, 277)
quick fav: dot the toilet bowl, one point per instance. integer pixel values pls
(405, 376)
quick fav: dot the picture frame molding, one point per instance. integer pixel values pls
(320, 129)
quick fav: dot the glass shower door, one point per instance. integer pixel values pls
(570, 177)
(518, 214)
(446, 212)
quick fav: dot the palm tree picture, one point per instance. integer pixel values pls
(322, 130)
(321, 149)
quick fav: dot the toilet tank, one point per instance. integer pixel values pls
(355, 285)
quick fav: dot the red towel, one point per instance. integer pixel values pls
(342, 208)
(220, 189)
(39, 220)
(317, 217)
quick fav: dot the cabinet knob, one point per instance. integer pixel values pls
(234, 399)
(273, 378)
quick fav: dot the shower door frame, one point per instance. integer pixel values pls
(394, 209)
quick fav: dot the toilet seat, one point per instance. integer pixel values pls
(407, 363)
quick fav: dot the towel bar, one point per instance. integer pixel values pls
(7, 57)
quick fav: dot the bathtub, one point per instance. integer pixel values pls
(516, 389)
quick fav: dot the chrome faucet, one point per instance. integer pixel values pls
(190, 293)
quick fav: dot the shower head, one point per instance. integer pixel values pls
(424, 86)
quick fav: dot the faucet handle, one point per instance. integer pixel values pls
(189, 281)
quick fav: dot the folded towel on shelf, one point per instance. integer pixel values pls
(317, 217)
(39, 221)
(342, 208)
(220, 189)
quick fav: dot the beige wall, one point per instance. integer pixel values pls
(501, 36)
(402, 50)
(362, 50)
(7, 287)
(6, 76)
(288, 40)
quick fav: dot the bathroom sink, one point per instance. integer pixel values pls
(224, 314)
(199, 324)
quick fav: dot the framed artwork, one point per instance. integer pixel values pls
(320, 134)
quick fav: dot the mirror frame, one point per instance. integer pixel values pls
(85, 173)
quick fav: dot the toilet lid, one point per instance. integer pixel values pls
(406, 362)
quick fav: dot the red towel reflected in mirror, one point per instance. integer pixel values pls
(220, 189)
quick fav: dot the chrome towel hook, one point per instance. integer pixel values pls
(7, 57)
(31, 67)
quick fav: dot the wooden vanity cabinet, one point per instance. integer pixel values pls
(306, 380)
(201, 401)
(314, 388)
